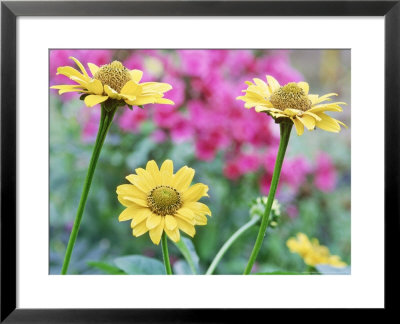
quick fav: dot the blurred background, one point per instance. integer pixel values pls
(231, 148)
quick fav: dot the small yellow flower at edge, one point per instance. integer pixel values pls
(292, 101)
(311, 252)
(158, 201)
(112, 81)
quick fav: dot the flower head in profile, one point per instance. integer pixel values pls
(112, 82)
(311, 252)
(157, 201)
(292, 102)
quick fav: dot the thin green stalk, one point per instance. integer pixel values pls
(229, 243)
(107, 115)
(164, 245)
(285, 129)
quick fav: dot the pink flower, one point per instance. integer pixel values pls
(245, 163)
(325, 173)
(130, 120)
(292, 211)
(158, 136)
(89, 118)
(294, 170)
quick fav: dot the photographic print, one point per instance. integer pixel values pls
(200, 161)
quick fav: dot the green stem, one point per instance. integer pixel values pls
(229, 243)
(285, 135)
(107, 115)
(164, 245)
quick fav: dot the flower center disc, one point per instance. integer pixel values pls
(114, 75)
(164, 200)
(290, 96)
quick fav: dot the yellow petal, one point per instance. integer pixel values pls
(304, 86)
(136, 75)
(273, 83)
(146, 176)
(140, 229)
(200, 219)
(186, 214)
(166, 170)
(308, 112)
(170, 222)
(292, 112)
(92, 100)
(150, 87)
(132, 89)
(322, 98)
(69, 71)
(195, 192)
(142, 100)
(164, 101)
(334, 106)
(186, 227)
(111, 92)
(183, 178)
(95, 86)
(129, 213)
(265, 108)
(307, 121)
(139, 182)
(80, 66)
(153, 221)
(137, 201)
(328, 123)
(299, 126)
(130, 190)
(155, 233)
(68, 88)
(152, 168)
(140, 216)
(173, 235)
(197, 207)
(93, 68)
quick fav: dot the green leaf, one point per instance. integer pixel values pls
(326, 269)
(107, 268)
(140, 265)
(82, 97)
(189, 252)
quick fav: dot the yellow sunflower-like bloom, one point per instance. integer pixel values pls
(112, 81)
(292, 101)
(158, 200)
(311, 252)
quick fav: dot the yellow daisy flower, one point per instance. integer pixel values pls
(292, 101)
(112, 81)
(158, 200)
(311, 252)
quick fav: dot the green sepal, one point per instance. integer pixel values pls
(83, 96)
(130, 107)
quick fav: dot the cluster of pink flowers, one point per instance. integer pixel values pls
(206, 112)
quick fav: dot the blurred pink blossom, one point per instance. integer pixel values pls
(292, 211)
(325, 173)
(130, 120)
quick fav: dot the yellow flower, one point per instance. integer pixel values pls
(158, 200)
(311, 252)
(294, 102)
(112, 81)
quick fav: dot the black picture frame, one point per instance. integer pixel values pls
(11, 10)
